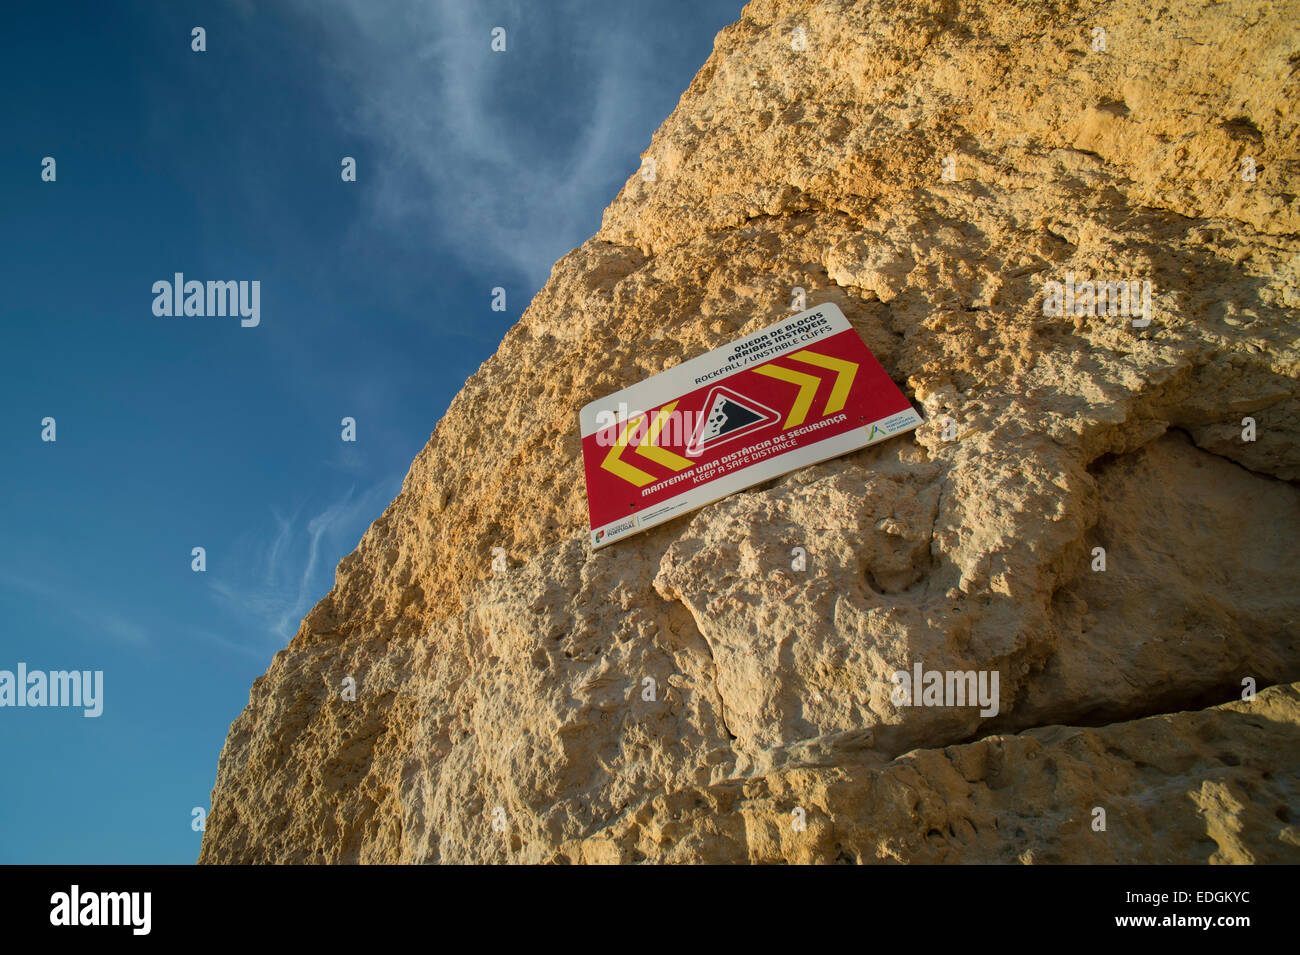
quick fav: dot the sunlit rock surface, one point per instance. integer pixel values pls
(929, 168)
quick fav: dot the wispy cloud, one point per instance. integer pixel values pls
(515, 153)
(285, 574)
(91, 617)
(225, 643)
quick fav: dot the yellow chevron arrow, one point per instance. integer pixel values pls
(845, 372)
(807, 388)
(617, 466)
(659, 455)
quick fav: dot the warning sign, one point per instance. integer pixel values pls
(729, 416)
(798, 392)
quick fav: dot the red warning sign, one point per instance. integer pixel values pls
(795, 393)
(728, 416)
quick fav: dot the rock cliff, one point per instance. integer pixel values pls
(935, 169)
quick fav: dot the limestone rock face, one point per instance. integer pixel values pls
(931, 168)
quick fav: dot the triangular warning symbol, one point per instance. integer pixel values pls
(727, 416)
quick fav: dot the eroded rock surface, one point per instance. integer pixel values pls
(519, 696)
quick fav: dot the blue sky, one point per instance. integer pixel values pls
(475, 169)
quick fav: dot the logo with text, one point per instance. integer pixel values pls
(924, 687)
(71, 688)
(1093, 297)
(131, 909)
(208, 299)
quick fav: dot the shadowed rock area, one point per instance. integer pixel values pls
(517, 696)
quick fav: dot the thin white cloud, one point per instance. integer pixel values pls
(90, 618)
(286, 528)
(428, 84)
(275, 582)
(225, 643)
